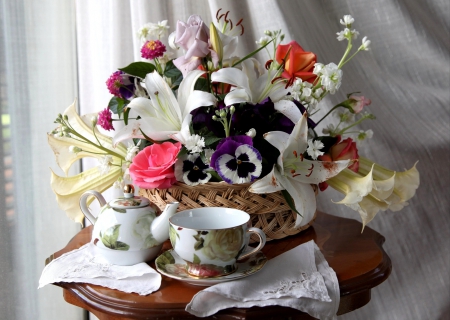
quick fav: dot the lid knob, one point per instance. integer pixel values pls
(128, 191)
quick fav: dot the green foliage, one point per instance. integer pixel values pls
(290, 202)
(139, 69)
(116, 105)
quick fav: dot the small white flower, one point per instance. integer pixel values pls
(195, 143)
(331, 77)
(318, 68)
(347, 20)
(365, 44)
(132, 150)
(105, 164)
(344, 115)
(251, 133)
(347, 34)
(362, 136)
(313, 149)
(263, 41)
(329, 129)
(152, 30)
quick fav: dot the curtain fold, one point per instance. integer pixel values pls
(38, 72)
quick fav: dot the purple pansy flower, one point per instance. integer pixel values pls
(229, 146)
(244, 165)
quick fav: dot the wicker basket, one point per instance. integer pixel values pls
(269, 212)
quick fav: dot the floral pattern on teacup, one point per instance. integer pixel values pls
(223, 244)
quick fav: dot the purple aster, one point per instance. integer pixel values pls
(229, 146)
(245, 165)
(153, 49)
(121, 85)
(105, 119)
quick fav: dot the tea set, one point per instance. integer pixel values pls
(210, 245)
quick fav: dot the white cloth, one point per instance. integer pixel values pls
(82, 265)
(299, 278)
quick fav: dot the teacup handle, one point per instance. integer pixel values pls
(262, 242)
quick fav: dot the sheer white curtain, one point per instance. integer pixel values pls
(406, 74)
(38, 80)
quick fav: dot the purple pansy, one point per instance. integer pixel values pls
(229, 146)
(244, 165)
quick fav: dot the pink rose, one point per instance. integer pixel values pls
(153, 167)
(193, 37)
(343, 150)
(357, 103)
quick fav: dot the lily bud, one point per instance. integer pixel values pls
(216, 42)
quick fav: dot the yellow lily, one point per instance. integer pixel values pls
(83, 135)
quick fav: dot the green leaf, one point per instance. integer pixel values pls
(163, 259)
(120, 210)
(209, 140)
(125, 116)
(290, 202)
(201, 84)
(196, 259)
(139, 69)
(121, 246)
(199, 244)
(171, 71)
(116, 105)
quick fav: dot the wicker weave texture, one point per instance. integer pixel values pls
(269, 212)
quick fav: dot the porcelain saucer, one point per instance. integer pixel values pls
(171, 265)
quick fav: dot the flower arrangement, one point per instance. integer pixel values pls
(210, 116)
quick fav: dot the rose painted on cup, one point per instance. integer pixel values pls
(213, 239)
(223, 244)
(153, 167)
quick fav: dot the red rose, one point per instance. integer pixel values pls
(343, 150)
(297, 63)
(153, 166)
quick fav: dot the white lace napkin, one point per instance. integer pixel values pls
(82, 265)
(299, 278)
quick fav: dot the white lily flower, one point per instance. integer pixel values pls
(162, 115)
(405, 185)
(295, 174)
(380, 188)
(253, 87)
(68, 190)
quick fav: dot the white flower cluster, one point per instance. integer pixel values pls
(151, 31)
(330, 76)
(308, 95)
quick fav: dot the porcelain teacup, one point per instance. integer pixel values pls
(211, 240)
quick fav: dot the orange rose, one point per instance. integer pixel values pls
(297, 63)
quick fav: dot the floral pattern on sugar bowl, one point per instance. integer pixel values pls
(129, 224)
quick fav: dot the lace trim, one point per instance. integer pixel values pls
(311, 283)
(90, 267)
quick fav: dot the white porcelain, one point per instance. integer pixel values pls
(127, 230)
(171, 265)
(211, 240)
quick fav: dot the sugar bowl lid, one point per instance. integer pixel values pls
(129, 200)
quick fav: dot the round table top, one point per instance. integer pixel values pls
(357, 258)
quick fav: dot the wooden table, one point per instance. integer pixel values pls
(358, 259)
